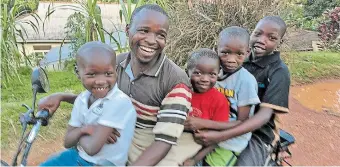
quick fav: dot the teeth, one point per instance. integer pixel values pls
(100, 89)
(147, 49)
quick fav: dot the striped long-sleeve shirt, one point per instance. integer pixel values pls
(161, 96)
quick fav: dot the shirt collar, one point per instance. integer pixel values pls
(153, 71)
(110, 95)
(263, 61)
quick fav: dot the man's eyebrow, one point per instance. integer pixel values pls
(163, 31)
(274, 33)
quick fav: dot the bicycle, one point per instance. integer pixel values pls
(279, 152)
(40, 84)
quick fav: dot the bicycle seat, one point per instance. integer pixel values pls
(285, 137)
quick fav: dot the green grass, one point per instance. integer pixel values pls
(305, 67)
(16, 94)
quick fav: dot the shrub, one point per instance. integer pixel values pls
(293, 14)
(200, 25)
(329, 29)
(315, 8)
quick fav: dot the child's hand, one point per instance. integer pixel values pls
(207, 138)
(189, 162)
(113, 137)
(88, 129)
(192, 123)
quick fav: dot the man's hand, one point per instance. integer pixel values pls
(113, 137)
(192, 123)
(50, 103)
(207, 138)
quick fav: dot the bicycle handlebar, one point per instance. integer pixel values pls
(42, 119)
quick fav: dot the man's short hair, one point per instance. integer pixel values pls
(153, 7)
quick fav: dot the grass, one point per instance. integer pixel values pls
(305, 67)
(16, 94)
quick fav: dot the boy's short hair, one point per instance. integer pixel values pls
(279, 21)
(235, 31)
(153, 7)
(93, 44)
(198, 54)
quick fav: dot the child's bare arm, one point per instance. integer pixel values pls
(243, 113)
(198, 123)
(203, 152)
(73, 135)
(93, 143)
(251, 124)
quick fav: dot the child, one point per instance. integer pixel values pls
(207, 103)
(273, 80)
(240, 87)
(96, 112)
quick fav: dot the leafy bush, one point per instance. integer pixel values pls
(75, 30)
(293, 14)
(200, 25)
(315, 8)
(25, 5)
(330, 29)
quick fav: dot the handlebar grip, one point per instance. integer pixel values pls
(43, 115)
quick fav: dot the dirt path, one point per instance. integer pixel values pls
(317, 132)
(317, 136)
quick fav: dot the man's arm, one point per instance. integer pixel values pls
(169, 126)
(153, 154)
(203, 152)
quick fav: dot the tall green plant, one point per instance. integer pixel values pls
(89, 13)
(92, 14)
(11, 28)
(128, 7)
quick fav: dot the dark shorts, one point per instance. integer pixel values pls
(255, 153)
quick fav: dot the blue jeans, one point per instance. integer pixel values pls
(69, 157)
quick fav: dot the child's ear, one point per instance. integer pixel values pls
(248, 53)
(187, 72)
(76, 71)
(127, 28)
(281, 41)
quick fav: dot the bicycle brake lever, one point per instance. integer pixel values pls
(26, 106)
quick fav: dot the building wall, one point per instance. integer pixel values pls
(33, 47)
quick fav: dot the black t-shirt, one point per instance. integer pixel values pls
(273, 79)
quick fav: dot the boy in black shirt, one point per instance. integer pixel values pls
(273, 80)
